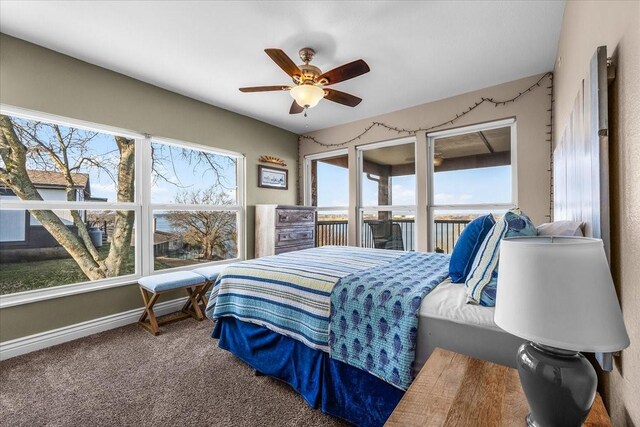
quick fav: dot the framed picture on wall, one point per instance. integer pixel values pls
(269, 177)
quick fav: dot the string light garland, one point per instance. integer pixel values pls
(403, 131)
(550, 141)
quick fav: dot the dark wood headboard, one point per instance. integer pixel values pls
(581, 163)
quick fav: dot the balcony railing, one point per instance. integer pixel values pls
(447, 232)
(331, 233)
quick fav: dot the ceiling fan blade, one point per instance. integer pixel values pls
(263, 88)
(342, 97)
(284, 62)
(345, 72)
(295, 108)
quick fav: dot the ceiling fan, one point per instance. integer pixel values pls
(310, 82)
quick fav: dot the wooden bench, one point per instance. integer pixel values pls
(152, 287)
(196, 282)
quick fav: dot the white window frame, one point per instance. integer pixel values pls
(141, 206)
(432, 207)
(307, 191)
(361, 209)
(238, 207)
(307, 177)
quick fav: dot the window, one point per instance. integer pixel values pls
(327, 178)
(194, 200)
(38, 260)
(472, 174)
(89, 207)
(387, 183)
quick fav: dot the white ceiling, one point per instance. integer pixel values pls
(418, 51)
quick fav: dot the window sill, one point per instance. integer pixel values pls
(35, 295)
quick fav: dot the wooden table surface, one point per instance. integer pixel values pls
(457, 390)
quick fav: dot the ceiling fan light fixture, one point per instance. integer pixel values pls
(307, 95)
(310, 83)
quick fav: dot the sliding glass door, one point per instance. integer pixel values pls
(327, 188)
(387, 194)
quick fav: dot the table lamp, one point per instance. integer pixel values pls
(557, 293)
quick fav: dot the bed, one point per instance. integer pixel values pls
(272, 320)
(447, 321)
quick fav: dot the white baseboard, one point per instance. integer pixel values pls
(18, 346)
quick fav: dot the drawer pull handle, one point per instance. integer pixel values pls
(305, 235)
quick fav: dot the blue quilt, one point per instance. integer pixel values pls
(374, 315)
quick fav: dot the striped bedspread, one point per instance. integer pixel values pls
(290, 293)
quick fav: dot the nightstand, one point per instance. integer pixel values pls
(457, 390)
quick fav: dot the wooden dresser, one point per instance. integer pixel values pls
(282, 228)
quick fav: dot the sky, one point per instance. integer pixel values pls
(180, 175)
(181, 172)
(184, 173)
(470, 186)
(170, 162)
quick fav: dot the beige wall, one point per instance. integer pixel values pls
(533, 149)
(587, 25)
(40, 79)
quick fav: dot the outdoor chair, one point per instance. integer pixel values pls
(386, 235)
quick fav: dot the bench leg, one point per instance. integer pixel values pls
(197, 313)
(200, 293)
(202, 296)
(152, 324)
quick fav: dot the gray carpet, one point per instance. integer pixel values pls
(126, 377)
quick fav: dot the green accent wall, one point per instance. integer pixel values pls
(43, 80)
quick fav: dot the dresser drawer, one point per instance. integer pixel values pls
(294, 236)
(298, 247)
(286, 217)
(284, 228)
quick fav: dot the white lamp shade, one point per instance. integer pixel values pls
(558, 291)
(307, 95)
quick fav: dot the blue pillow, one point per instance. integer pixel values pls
(519, 224)
(467, 247)
(481, 281)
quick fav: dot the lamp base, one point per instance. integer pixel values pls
(560, 385)
(531, 422)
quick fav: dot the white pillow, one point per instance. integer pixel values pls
(561, 228)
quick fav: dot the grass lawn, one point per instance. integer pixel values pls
(25, 276)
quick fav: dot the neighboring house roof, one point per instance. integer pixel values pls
(57, 178)
(50, 179)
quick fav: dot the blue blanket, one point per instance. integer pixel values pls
(334, 387)
(374, 315)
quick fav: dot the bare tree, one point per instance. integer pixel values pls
(30, 144)
(209, 230)
(27, 143)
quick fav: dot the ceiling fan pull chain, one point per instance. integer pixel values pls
(305, 111)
